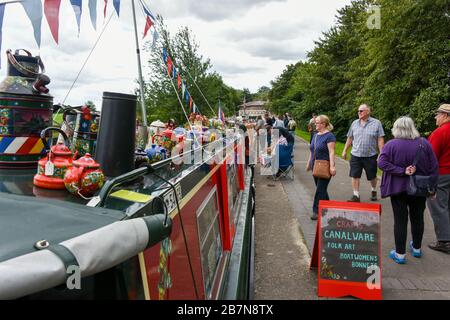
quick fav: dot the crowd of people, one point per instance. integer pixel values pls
(406, 160)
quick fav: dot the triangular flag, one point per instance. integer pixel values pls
(116, 4)
(165, 55)
(195, 108)
(2, 13)
(183, 89)
(169, 66)
(187, 96)
(106, 6)
(33, 9)
(179, 81)
(174, 73)
(93, 12)
(155, 38)
(77, 6)
(148, 25)
(190, 103)
(51, 10)
(147, 11)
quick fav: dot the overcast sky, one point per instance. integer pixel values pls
(249, 42)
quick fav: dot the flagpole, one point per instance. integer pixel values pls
(141, 80)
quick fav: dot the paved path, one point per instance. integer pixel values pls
(285, 236)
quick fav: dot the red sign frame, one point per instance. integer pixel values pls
(336, 288)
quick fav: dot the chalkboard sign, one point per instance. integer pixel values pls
(348, 248)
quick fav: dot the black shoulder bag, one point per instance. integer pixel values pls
(421, 186)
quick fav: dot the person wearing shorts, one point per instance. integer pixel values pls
(366, 136)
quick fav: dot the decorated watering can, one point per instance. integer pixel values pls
(26, 109)
(84, 177)
(53, 167)
(84, 131)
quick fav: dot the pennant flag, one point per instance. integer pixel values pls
(179, 81)
(195, 110)
(77, 6)
(169, 66)
(147, 11)
(2, 14)
(187, 96)
(190, 103)
(33, 9)
(93, 12)
(148, 25)
(155, 38)
(106, 6)
(51, 10)
(165, 55)
(174, 73)
(183, 89)
(221, 115)
(116, 4)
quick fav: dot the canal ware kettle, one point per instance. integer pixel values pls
(84, 177)
(26, 109)
(53, 167)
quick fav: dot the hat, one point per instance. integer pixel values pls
(444, 108)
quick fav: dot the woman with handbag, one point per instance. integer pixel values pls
(404, 160)
(321, 160)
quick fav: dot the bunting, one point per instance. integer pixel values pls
(93, 12)
(51, 10)
(2, 14)
(183, 89)
(165, 55)
(174, 73)
(155, 38)
(77, 6)
(187, 96)
(116, 4)
(147, 11)
(221, 115)
(169, 66)
(33, 10)
(179, 81)
(104, 10)
(190, 103)
(148, 25)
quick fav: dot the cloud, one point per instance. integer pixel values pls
(272, 30)
(210, 10)
(275, 50)
(229, 68)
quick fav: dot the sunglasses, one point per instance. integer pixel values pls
(361, 111)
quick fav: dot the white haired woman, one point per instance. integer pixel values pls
(396, 160)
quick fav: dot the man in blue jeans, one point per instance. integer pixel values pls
(366, 136)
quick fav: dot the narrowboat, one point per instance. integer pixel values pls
(171, 229)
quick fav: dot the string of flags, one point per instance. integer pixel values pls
(174, 74)
(36, 9)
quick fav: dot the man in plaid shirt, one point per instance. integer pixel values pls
(366, 136)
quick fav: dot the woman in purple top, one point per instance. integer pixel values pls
(396, 161)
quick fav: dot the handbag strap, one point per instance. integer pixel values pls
(315, 146)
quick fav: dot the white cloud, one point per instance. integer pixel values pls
(249, 42)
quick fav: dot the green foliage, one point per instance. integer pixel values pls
(162, 100)
(400, 69)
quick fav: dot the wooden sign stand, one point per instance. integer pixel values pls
(342, 284)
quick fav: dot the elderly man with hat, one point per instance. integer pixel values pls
(440, 206)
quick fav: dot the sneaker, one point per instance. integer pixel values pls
(417, 253)
(393, 255)
(440, 246)
(374, 196)
(354, 199)
(314, 216)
